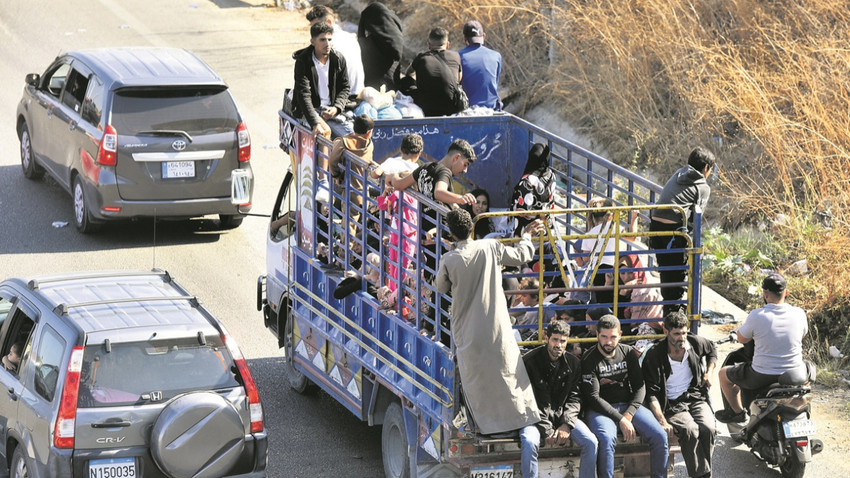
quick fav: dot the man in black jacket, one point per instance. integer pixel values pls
(555, 378)
(677, 372)
(321, 84)
(381, 45)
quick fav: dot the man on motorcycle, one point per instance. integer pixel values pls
(677, 372)
(778, 329)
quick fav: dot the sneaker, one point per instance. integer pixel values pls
(323, 191)
(728, 416)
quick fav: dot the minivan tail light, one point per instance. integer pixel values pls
(255, 408)
(63, 434)
(244, 143)
(107, 154)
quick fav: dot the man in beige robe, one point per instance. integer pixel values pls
(495, 384)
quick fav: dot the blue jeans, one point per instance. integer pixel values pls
(645, 424)
(530, 439)
(338, 128)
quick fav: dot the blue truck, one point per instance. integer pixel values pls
(387, 356)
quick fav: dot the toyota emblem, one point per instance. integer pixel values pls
(178, 145)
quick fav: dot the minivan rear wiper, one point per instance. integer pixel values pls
(167, 132)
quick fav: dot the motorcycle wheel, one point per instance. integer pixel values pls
(792, 467)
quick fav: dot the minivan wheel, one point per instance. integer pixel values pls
(28, 165)
(199, 435)
(18, 467)
(230, 221)
(82, 217)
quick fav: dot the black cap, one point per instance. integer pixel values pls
(773, 283)
(363, 123)
(596, 313)
(473, 32)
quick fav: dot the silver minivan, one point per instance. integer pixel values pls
(122, 375)
(133, 132)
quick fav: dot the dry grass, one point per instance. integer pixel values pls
(764, 83)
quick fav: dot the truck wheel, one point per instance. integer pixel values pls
(394, 443)
(793, 468)
(197, 435)
(18, 467)
(297, 380)
(31, 169)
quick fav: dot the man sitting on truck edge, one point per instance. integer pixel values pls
(321, 90)
(688, 188)
(613, 388)
(497, 392)
(438, 75)
(482, 68)
(346, 44)
(677, 372)
(555, 376)
(778, 329)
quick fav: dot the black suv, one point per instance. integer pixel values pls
(122, 375)
(137, 132)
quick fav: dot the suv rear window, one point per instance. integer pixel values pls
(198, 110)
(153, 371)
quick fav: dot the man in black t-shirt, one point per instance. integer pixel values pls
(613, 388)
(438, 73)
(434, 181)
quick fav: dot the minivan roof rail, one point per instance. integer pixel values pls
(62, 309)
(34, 284)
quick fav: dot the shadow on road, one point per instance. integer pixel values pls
(29, 210)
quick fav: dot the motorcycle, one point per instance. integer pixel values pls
(780, 426)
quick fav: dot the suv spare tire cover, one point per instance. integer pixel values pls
(197, 435)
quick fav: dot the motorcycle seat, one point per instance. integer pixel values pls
(798, 376)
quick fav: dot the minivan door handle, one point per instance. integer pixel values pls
(112, 423)
(12, 394)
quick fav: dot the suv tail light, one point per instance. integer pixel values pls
(107, 153)
(255, 408)
(63, 434)
(244, 143)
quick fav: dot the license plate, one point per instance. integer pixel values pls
(178, 169)
(113, 468)
(493, 471)
(798, 428)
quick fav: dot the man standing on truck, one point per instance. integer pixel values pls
(688, 188)
(677, 372)
(495, 385)
(555, 377)
(613, 389)
(434, 181)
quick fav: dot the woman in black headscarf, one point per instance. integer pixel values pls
(536, 188)
(483, 227)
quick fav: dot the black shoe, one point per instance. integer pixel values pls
(728, 416)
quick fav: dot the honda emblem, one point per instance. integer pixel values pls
(156, 396)
(178, 145)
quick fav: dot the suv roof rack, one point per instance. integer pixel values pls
(35, 284)
(62, 309)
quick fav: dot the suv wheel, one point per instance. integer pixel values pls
(197, 435)
(82, 218)
(18, 468)
(28, 164)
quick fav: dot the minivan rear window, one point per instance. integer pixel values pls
(198, 110)
(148, 372)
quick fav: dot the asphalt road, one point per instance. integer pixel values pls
(250, 45)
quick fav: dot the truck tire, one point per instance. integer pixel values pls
(297, 380)
(394, 443)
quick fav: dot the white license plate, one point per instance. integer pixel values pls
(178, 169)
(113, 468)
(493, 471)
(798, 428)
